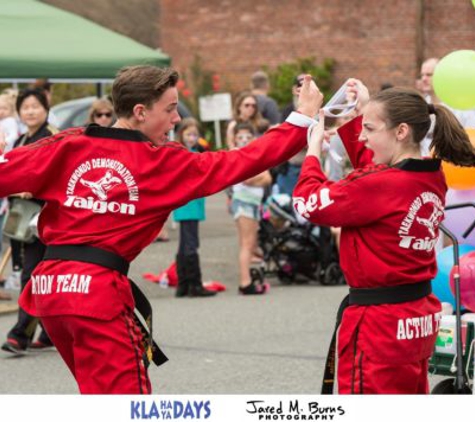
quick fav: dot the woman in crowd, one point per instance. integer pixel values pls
(32, 107)
(101, 112)
(245, 206)
(245, 111)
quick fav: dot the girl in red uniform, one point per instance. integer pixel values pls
(389, 209)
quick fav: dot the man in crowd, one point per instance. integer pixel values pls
(267, 106)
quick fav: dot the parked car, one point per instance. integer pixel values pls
(75, 112)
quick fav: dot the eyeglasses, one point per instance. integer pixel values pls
(247, 105)
(103, 114)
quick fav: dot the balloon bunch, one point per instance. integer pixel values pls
(467, 280)
(442, 284)
(454, 79)
(454, 84)
(461, 183)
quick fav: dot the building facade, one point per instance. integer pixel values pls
(373, 40)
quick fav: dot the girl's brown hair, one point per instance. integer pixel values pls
(450, 141)
(185, 124)
(256, 119)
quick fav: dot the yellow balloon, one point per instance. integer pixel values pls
(460, 177)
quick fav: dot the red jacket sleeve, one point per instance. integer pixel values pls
(359, 155)
(211, 172)
(28, 169)
(344, 203)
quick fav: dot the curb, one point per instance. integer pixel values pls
(8, 308)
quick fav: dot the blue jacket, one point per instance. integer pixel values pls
(193, 210)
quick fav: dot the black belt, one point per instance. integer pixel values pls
(390, 295)
(92, 255)
(366, 297)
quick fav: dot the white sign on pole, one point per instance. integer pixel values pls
(216, 107)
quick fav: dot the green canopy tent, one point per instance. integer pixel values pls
(41, 41)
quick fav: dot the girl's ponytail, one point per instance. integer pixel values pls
(450, 141)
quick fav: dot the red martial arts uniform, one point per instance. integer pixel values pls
(389, 217)
(112, 189)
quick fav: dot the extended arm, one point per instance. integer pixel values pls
(212, 172)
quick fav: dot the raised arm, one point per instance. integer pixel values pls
(349, 133)
(331, 203)
(359, 155)
(211, 172)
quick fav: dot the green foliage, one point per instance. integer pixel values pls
(197, 82)
(282, 78)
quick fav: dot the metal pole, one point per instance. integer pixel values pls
(99, 90)
(217, 132)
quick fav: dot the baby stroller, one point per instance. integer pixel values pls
(295, 250)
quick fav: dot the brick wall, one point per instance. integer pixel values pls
(375, 40)
(450, 25)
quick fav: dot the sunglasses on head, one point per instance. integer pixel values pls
(108, 114)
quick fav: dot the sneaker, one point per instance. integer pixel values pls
(13, 281)
(40, 345)
(13, 346)
(255, 289)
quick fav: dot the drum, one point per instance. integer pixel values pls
(22, 220)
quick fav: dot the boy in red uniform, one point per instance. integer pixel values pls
(108, 192)
(389, 209)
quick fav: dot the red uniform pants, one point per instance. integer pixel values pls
(105, 357)
(357, 374)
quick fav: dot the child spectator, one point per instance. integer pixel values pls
(189, 216)
(245, 206)
(8, 122)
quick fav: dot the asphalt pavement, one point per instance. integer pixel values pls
(228, 344)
